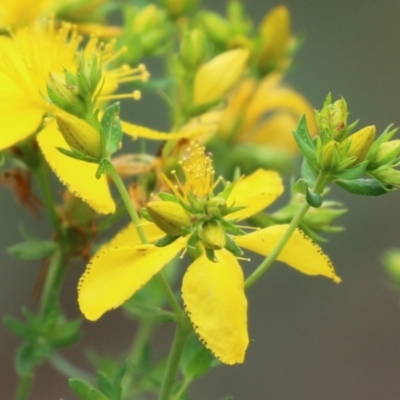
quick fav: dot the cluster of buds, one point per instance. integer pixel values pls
(76, 95)
(203, 220)
(345, 157)
(270, 47)
(145, 31)
(316, 221)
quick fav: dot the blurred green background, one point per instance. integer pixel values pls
(313, 339)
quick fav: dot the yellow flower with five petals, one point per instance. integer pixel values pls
(27, 58)
(213, 291)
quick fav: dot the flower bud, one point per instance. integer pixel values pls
(217, 206)
(275, 36)
(212, 235)
(79, 134)
(63, 97)
(193, 48)
(387, 152)
(145, 19)
(169, 216)
(176, 8)
(391, 262)
(214, 78)
(359, 143)
(387, 175)
(333, 117)
(216, 27)
(327, 155)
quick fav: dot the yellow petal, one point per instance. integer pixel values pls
(276, 133)
(213, 293)
(216, 77)
(78, 176)
(137, 131)
(129, 236)
(300, 251)
(271, 97)
(113, 276)
(255, 192)
(15, 128)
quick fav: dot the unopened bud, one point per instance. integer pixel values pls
(79, 134)
(63, 97)
(275, 36)
(177, 8)
(212, 235)
(327, 155)
(217, 206)
(193, 48)
(216, 27)
(146, 19)
(214, 78)
(169, 216)
(333, 116)
(387, 152)
(359, 143)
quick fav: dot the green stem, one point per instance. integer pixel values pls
(41, 174)
(128, 203)
(53, 280)
(182, 389)
(24, 387)
(181, 334)
(69, 370)
(135, 358)
(264, 266)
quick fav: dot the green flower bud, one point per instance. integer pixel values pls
(387, 152)
(333, 117)
(212, 235)
(359, 143)
(63, 97)
(327, 155)
(391, 262)
(177, 8)
(216, 27)
(217, 206)
(79, 134)
(387, 175)
(193, 48)
(146, 19)
(169, 216)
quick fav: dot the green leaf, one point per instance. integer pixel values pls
(32, 250)
(300, 186)
(18, 327)
(111, 131)
(104, 383)
(308, 173)
(196, 359)
(117, 384)
(232, 246)
(148, 312)
(231, 227)
(73, 153)
(352, 173)
(304, 140)
(67, 334)
(29, 355)
(165, 241)
(167, 197)
(364, 187)
(85, 391)
(104, 167)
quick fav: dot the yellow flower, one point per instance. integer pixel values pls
(214, 78)
(213, 292)
(27, 59)
(262, 113)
